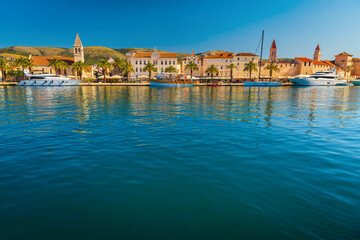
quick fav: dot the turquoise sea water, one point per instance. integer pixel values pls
(179, 163)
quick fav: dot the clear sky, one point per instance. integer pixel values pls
(230, 25)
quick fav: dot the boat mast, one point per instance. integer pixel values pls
(262, 44)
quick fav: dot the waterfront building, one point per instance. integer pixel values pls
(240, 60)
(42, 64)
(220, 60)
(195, 59)
(161, 60)
(296, 66)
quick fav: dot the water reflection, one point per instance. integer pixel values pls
(263, 106)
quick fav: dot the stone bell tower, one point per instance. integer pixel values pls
(273, 52)
(78, 50)
(317, 54)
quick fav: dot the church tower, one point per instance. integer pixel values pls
(273, 52)
(78, 50)
(317, 54)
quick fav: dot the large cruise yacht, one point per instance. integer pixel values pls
(323, 78)
(48, 80)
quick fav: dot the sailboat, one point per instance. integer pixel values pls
(260, 83)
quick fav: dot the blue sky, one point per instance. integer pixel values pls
(297, 25)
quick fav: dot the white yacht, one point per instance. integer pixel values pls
(48, 80)
(323, 78)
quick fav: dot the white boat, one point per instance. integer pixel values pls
(48, 80)
(322, 78)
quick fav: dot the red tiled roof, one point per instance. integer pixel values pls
(246, 54)
(356, 59)
(221, 55)
(304, 59)
(343, 54)
(273, 45)
(327, 63)
(162, 55)
(44, 60)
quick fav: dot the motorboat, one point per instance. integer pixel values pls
(47, 80)
(322, 78)
(356, 82)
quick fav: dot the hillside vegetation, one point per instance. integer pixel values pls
(92, 54)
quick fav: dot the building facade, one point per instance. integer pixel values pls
(161, 60)
(195, 59)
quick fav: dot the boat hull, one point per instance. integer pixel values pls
(320, 82)
(356, 82)
(261, 84)
(49, 83)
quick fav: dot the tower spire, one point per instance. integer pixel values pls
(273, 52)
(78, 50)
(317, 54)
(193, 54)
(77, 41)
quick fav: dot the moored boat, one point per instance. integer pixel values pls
(261, 83)
(356, 82)
(48, 80)
(322, 78)
(172, 80)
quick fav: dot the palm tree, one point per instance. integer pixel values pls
(171, 69)
(4, 67)
(63, 66)
(191, 66)
(118, 64)
(29, 64)
(21, 63)
(127, 69)
(272, 67)
(150, 67)
(250, 67)
(212, 70)
(54, 63)
(78, 67)
(231, 67)
(105, 67)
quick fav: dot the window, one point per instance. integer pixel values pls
(184, 62)
(136, 62)
(162, 63)
(140, 62)
(165, 62)
(140, 69)
(136, 70)
(174, 62)
(238, 59)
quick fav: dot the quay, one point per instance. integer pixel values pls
(135, 84)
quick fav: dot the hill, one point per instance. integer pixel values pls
(92, 54)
